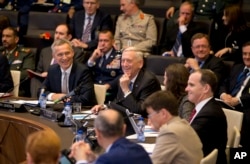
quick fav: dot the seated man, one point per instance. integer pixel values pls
(86, 24)
(105, 62)
(6, 82)
(177, 142)
(67, 75)
(110, 129)
(178, 37)
(135, 85)
(235, 92)
(135, 28)
(43, 146)
(19, 58)
(203, 59)
(62, 31)
(207, 119)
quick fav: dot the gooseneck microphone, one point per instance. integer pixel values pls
(72, 93)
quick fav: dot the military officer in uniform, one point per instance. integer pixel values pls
(105, 61)
(135, 28)
(19, 58)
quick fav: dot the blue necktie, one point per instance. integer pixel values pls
(241, 78)
(177, 44)
(130, 86)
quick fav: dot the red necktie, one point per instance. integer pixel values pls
(192, 114)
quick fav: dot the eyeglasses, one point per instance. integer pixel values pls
(200, 46)
(151, 114)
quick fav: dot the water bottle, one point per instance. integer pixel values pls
(68, 114)
(141, 127)
(43, 101)
(79, 136)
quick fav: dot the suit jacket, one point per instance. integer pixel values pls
(106, 71)
(79, 74)
(231, 81)
(124, 151)
(145, 84)
(217, 66)
(172, 31)
(102, 21)
(211, 126)
(177, 143)
(6, 82)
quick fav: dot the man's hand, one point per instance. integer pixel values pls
(57, 96)
(124, 83)
(81, 151)
(44, 74)
(96, 54)
(95, 109)
(192, 63)
(78, 43)
(170, 12)
(221, 52)
(226, 97)
(181, 20)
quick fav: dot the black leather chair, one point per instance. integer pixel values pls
(157, 64)
(12, 15)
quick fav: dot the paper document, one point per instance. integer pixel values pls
(28, 102)
(33, 73)
(148, 147)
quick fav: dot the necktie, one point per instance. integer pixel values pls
(192, 114)
(177, 44)
(86, 31)
(102, 61)
(239, 82)
(130, 86)
(65, 83)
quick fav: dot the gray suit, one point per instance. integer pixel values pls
(177, 143)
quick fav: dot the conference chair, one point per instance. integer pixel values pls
(161, 33)
(100, 93)
(157, 64)
(16, 80)
(12, 15)
(210, 158)
(234, 123)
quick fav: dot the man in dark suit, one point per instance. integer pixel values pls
(86, 24)
(207, 119)
(67, 75)
(178, 37)
(203, 59)
(236, 92)
(62, 31)
(135, 85)
(6, 82)
(110, 128)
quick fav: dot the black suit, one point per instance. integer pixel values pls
(245, 103)
(79, 73)
(217, 66)
(102, 21)
(6, 83)
(145, 84)
(211, 126)
(192, 28)
(44, 64)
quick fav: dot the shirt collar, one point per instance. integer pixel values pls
(67, 70)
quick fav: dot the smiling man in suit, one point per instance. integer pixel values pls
(86, 24)
(207, 119)
(67, 75)
(134, 85)
(236, 92)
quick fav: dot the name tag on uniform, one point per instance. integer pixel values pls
(17, 61)
(66, 1)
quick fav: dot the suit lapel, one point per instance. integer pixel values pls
(72, 77)
(57, 76)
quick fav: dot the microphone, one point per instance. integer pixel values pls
(72, 93)
(11, 89)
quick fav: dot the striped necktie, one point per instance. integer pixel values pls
(65, 83)
(87, 31)
(192, 115)
(239, 82)
(177, 44)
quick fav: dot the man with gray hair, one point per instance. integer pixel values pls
(135, 85)
(135, 28)
(66, 75)
(110, 129)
